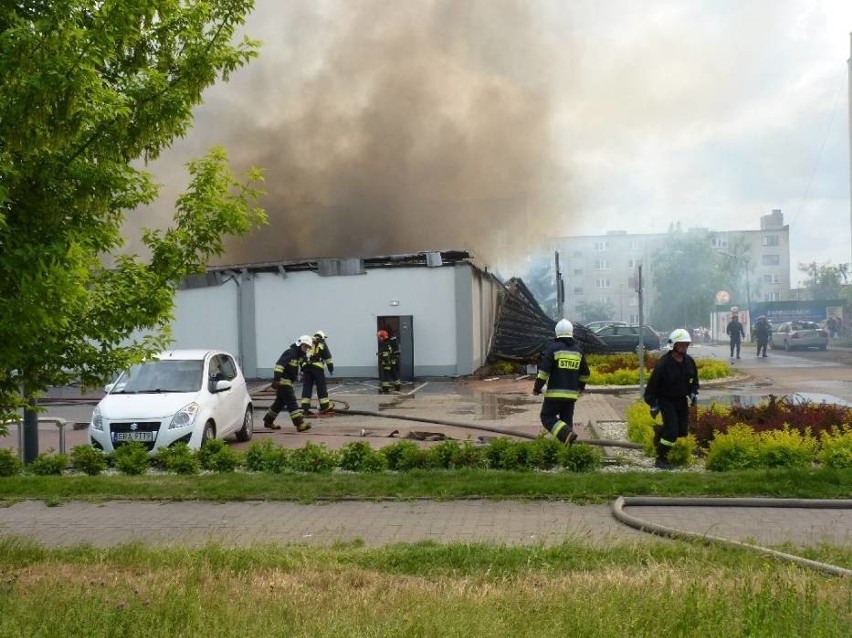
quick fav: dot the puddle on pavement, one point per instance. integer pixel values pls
(492, 406)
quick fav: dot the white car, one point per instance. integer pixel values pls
(181, 395)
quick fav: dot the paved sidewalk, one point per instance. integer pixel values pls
(239, 524)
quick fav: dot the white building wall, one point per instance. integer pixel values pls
(207, 318)
(347, 307)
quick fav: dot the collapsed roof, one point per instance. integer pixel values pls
(523, 330)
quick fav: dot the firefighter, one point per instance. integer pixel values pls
(564, 370)
(313, 373)
(673, 384)
(388, 362)
(285, 373)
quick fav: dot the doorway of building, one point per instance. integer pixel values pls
(401, 327)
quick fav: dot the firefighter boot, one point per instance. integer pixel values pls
(269, 422)
(300, 424)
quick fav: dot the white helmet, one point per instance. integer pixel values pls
(321, 335)
(564, 328)
(305, 340)
(679, 336)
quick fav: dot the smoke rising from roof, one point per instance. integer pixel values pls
(387, 127)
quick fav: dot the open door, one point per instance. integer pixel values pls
(401, 327)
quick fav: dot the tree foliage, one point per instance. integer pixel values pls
(89, 90)
(688, 272)
(824, 281)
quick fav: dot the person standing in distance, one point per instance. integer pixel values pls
(285, 374)
(762, 332)
(563, 369)
(672, 386)
(736, 333)
(318, 359)
(388, 362)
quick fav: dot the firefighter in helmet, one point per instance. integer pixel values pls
(388, 362)
(285, 374)
(563, 369)
(313, 373)
(672, 387)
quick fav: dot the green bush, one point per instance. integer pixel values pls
(131, 458)
(681, 453)
(452, 454)
(217, 456)
(265, 456)
(360, 456)
(580, 458)
(10, 464)
(46, 464)
(787, 448)
(504, 453)
(836, 447)
(737, 449)
(313, 458)
(543, 453)
(87, 459)
(405, 455)
(179, 458)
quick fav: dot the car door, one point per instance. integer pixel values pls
(229, 403)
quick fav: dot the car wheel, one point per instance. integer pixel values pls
(209, 433)
(244, 433)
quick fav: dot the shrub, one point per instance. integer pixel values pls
(640, 425)
(361, 457)
(543, 453)
(401, 455)
(10, 464)
(681, 453)
(580, 458)
(46, 464)
(450, 454)
(414, 458)
(313, 458)
(787, 448)
(265, 456)
(504, 453)
(215, 455)
(131, 458)
(836, 447)
(737, 449)
(179, 458)
(89, 460)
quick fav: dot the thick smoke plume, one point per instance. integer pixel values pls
(388, 127)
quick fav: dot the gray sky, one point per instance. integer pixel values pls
(388, 126)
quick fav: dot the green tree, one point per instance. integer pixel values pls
(824, 281)
(89, 91)
(687, 273)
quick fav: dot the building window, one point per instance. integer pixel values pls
(770, 240)
(601, 264)
(633, 319)
(631, 263)
(770, 260)
(604, 299)
(720, 242)
(604, 283)
(578, 291)
(771, 278)
(635, 244)
(601, 245)
(772, 296)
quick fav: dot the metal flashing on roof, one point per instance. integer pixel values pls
(338, 267)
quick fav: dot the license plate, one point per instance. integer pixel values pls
(144, 437)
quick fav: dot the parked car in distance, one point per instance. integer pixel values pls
(597, 325)
(180, 395)
(626, 338)
(798, 334)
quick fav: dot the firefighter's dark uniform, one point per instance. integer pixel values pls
(285, 373)
(389, 364)
(669, 389)
(564, 370)
(313, 373)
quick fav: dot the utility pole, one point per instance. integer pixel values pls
(641, 350)
(560, 290)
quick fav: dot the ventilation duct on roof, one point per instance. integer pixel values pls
(336, 267)
(434, 260)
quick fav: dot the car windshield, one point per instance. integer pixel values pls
(805, 325)
(161, 376)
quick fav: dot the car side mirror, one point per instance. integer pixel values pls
(221, 385)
